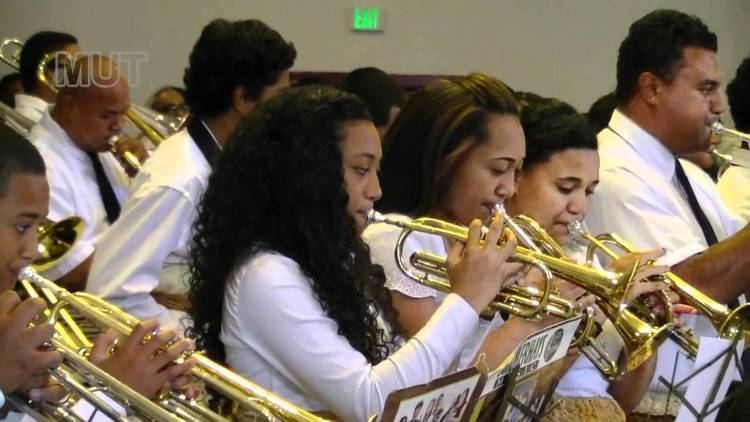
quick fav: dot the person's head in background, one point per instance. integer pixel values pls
(601, 111)
(10, 85)
(382, 94)
(669, 81)
(169, 101)
(32, 53)
(738, 94)
(24, 202)
(233, 67)
(92, 111)
(454, 151)
(561, 168)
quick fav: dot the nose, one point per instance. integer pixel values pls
(578, 204)
(117, 124)
(718, 102)
(29, 247)
(372, 189)
(506, 186)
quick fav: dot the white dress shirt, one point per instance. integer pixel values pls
(276, 333)
(381, 238)
(734, 184)
(31, 106)
(639, 198)
(146, 250)
(73, 188)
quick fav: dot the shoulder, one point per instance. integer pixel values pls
(177, 164)
(268, 269)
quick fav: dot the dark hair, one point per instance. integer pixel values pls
(738, 94)
(655, 44)
(377, 89)
(228, 54)
(34, 50)
(6, 83)
(279, 185)
(601, 110)
(435, 130)
(552, 126)
(17, 155)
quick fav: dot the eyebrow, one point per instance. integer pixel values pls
(508, 159)
(29, 214)
(366, 155)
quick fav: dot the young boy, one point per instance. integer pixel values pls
(24, 200)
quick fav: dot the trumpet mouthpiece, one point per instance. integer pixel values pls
(717, 127)
(575, 227)
(375, 217)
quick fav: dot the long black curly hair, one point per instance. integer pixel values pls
(279, 185)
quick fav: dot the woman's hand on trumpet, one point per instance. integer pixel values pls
(478, 270)
(145, 360)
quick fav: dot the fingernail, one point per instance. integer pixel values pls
(35, 395)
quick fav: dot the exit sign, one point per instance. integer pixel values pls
(367, 19)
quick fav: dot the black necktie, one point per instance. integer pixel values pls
(708, 231)
(111, 206)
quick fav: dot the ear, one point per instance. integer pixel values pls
(649, 88)
(240, 101)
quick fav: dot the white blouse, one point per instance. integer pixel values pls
(276, 333)
(381, 238)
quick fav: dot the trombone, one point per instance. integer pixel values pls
(727, 322)
(641, 339)
(12, 59)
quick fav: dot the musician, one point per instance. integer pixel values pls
(24, 199)
(141, 264)
(453, 153)
(282, 285)
(169, 101)
(380, 91)
(559, 175)
(10, 85)
(734, 184)
(85, 179)
(37, 97)
(668, 94)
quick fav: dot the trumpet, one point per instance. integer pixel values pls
(641, 339)
(242, 392)
(719, 129)
(728, 323)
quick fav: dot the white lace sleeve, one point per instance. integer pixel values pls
(381, 239)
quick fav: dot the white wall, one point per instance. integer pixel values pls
(563, 48)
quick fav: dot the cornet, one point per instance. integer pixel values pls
(744, 159)
(641, 339)
(243, 393)
(728, 323)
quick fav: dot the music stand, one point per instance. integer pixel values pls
(727, 355)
